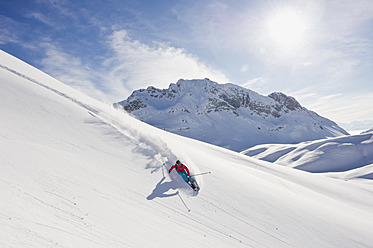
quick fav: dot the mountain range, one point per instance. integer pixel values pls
(228, 115)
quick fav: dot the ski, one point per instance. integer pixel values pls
(193, 184)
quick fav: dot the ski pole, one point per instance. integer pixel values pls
(204, 173)
(164, 165)
(183, 201)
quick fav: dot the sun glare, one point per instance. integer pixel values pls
(286, 28)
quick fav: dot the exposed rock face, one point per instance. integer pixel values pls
(287, 101)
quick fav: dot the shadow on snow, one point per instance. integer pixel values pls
(161, 189)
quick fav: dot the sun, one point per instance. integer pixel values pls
(286, 27)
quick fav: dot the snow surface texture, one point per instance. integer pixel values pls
(350, 156)
(78, 173)
(228, 115)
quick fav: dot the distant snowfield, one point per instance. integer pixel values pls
(78, 173)
(346, 157)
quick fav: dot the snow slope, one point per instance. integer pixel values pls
(228, 115)
(349, 157)
(78, 173)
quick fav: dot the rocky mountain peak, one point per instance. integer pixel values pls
(288, 101)
(227, 115)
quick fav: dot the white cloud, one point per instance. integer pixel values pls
(244, 68)
(42, 18)
(137, 65)
(255, 83)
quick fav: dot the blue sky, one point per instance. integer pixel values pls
(319, 51)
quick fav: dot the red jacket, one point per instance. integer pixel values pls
(179, 168)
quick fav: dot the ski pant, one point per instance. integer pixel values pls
(184, 175)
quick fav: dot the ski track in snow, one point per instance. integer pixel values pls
(259, 222)
(157, 151)
(86, 231)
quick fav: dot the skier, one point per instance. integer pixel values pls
(182, 170)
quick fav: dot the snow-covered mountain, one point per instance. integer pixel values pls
(78, 173)
(368, 131)
(348, 157)
(228, 115)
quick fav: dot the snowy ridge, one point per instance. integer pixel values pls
(228, 115)
(350, 157)
(79, 173)
(367, 131)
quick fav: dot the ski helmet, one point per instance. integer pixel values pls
(178, 162)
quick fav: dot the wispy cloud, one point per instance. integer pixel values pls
(72, 71)
(347, 109)
(135, 64)
(60, 6)
(132, 65)
(42, 18)
(341, 40)
(7, 30)
(255, 83)
(338, 107)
